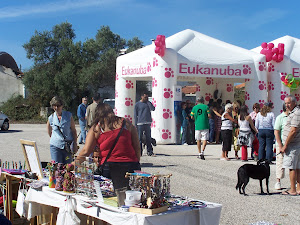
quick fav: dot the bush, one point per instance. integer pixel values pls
(20, 109)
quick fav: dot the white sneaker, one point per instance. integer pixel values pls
(277, 186)
(185, 144)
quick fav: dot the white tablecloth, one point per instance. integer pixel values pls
(181, 216)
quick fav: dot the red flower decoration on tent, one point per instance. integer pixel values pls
(160, 45)
(271, 53)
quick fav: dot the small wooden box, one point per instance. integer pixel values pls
(148, 211)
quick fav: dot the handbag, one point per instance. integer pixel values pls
(69, 145)
(100, 169)
(22, 206)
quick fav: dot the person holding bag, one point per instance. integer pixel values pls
(117, 140)
(62, 132)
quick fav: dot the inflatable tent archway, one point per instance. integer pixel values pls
(189, 56)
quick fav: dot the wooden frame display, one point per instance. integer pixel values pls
(32, 158)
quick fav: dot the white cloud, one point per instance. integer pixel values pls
(57, 6)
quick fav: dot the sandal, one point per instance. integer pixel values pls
(288, 193)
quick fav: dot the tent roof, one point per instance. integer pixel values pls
(8, 61)
(196, 47)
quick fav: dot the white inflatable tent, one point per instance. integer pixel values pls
(189, 56)
(276, 71)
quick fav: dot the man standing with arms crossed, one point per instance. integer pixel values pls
(291, 148)
(143, 120)
(200, 113)
(82, 122)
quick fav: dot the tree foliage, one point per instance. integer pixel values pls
(72, 69)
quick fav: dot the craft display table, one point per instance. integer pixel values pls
(43, 200)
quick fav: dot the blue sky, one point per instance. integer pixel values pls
(243, 23)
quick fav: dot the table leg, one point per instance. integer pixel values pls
(53, 216)
(32, 221)
(9, 209)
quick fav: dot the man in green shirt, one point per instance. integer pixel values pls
(200, 113)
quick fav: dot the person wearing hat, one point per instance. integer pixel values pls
(264, 123)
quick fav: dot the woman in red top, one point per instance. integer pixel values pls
(103, 134)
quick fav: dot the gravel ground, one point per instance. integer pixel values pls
(210, 180)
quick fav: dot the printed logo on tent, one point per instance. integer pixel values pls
(262, 66)
(209, 81)
(270, 86)
(128, 117)
(153, 123)
(229, 88)
(283, 75)
(197, 88)
(297, 96)
(117, 76)
(167, 114)
(283, 94)
(207, 96)
(270, 67)
(154, 82)
(246, 69)
(261, 103)
(128, 102)
(168, 93)
(153, 102)
(246, 80)
(129, 84)
(262, 85)
(166, 134)
(116, 111)
(148, 67)
(169, 72)
(247, 96)
(116, 94)
(155, 62)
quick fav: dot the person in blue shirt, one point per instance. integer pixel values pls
(184, 125)
(143, 120)
(82, 121)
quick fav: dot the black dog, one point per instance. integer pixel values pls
(144, 142)
(260, 171)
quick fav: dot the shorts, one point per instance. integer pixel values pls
(202, 135)
(227, 140)
(291, 159)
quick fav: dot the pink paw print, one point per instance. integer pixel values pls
(283, 75)
(167, 114)
(128, 117)
(169, 72)
(246, 69)
(128, 102)
(271, 67)
(270, 86)
(246, 80)
(197, 88)
(116, 94)
(247, 96)
(117, 76)
(283, 94)
(154, 82)
(261, 103)
(153, 123)
(267, 50)
(166, 134)
(209, 81)
(262, 85)
(262, 66)
(116, 111)
(155, 62)
(168, 93)
(229, 88)
(153, 102)
(207, 96)
(297, 96)
(148, 67)
(129, 84)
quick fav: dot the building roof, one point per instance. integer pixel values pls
(8, 61)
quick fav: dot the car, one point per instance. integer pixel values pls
(4, 121)
(111, 102)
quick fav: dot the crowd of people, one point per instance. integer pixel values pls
(230, 124)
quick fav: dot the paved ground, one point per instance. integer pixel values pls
(211, 180)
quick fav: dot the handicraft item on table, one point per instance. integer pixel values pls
(69, 179)
(59, 177)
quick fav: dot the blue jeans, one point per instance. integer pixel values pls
(147, 129)
(211, 130)
(60, 155)
(183, 137)
(82, 136)
(266, 139)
